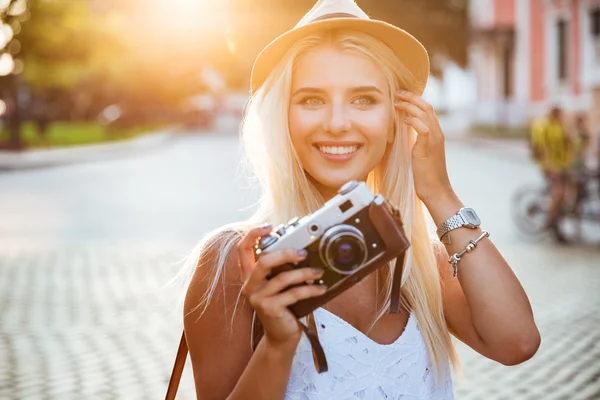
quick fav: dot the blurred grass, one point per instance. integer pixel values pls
(499, 132)
(65, 133)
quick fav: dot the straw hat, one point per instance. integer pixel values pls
(345, 14)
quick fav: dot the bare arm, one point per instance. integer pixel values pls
(486, 307)
(222, 359)
(219, 347)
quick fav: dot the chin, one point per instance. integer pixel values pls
(335, 180)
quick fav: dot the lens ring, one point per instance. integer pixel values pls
(329, 238)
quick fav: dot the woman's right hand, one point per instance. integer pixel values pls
(268, 297)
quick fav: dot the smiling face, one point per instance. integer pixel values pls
(340, 116)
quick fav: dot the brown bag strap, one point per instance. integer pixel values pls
(177, 368)
(395, 295)
(317, 350)
(310, 331)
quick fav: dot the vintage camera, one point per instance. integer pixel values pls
(349, 237)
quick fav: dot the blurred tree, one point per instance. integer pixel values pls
(85, 55)
(12, 12)
(62, 43)
(147, 55)
(57, 41)
(441, 25)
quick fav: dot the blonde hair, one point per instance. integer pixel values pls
(286, 192)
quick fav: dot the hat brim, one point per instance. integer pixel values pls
(406, 47)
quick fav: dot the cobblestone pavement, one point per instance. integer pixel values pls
(86, 250)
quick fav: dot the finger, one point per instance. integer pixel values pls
(416, 100)
(267, 262)
(421, 147)
(434, 135)
(289, 278)
(245, 249)
(272, 306)
(421, 128)
(410, 109)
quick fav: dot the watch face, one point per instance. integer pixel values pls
(470, 216)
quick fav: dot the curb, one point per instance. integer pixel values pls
(513, 149)
(31, 159)
(509, 146)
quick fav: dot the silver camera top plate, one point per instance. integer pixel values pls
(306, 230)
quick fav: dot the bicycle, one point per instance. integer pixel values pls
(579, 216)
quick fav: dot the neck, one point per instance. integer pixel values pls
(326, 192)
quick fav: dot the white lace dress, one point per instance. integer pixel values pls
(360, 368)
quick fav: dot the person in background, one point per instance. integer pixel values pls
(598, 150)
(581, 143)
(581, 148)
(552, 150)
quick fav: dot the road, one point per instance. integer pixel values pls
(85, 251)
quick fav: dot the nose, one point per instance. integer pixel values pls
(337, 120)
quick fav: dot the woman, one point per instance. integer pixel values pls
(331, 103)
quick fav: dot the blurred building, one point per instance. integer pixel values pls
(530, 54)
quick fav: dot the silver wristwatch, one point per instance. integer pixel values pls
(466, 217)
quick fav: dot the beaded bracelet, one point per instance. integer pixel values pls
(456, 257)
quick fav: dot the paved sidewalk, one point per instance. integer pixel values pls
(88, 323)
(91, 322)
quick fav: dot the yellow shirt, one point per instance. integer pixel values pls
(552, 144)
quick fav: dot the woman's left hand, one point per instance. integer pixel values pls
(428, 154)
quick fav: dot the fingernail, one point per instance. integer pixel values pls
(265, 226)
(301, 252)
(323, 288)
(406, 118)
(318, 271)
(401, 91)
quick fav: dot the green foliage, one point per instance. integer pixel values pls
(59, 42)
(441, 25)
(64, 133)
(123, 52)
(495, 131)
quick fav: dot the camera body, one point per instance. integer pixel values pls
(345, 237)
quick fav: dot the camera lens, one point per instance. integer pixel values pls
(343, 249)
(346, 254)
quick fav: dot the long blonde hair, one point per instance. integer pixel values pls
(286, 192)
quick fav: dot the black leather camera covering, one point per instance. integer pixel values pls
(382, 227)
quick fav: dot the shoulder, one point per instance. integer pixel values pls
(212, 263)
(539, 124)
(219, 247)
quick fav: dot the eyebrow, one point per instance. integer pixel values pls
(358, 89)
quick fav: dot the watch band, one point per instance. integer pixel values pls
(454, 222)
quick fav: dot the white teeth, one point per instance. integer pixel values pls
(337, 149)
